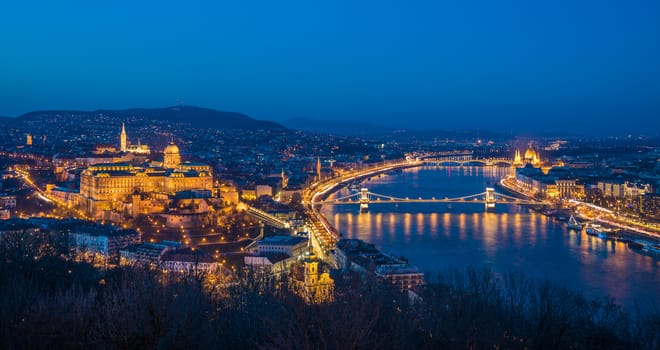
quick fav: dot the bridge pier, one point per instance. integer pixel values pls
(364, 200)
(490, 198)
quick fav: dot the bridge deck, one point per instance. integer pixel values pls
(430, 201)
(364, 197)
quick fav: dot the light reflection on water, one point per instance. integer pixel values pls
(437, 236)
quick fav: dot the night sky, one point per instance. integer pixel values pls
(583, 66)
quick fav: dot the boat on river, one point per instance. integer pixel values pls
(645, 247)
(573, 224)
(598, 230)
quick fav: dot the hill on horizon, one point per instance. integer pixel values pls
(196, 116)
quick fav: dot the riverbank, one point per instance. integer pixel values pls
(437, 237)
(323, 235)
(590, 212)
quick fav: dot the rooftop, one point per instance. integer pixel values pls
(103, 230)
(188, 255)
(282, 240)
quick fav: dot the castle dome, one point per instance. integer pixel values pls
(171, 156)
(171, 148)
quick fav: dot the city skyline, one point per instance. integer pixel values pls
(194, 214)
(513, 67)
(327, 175)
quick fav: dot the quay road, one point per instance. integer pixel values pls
(593, 212)
(322, 235)
(25, 176)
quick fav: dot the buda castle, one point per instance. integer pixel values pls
(110, 186)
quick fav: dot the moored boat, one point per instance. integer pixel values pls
(598, 230)
(645, 247)
(573, 224)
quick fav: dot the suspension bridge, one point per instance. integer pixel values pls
(488, 198)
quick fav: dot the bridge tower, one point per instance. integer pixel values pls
(364, 200)
(490, 198)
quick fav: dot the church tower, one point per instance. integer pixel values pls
(311, 273)
(318, 287)
(318, 168)
(517, 159)
(122, 138)
(285, 181)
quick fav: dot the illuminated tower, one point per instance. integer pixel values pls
(517, 159)
(122, 139)
(285, 181)
(28, 141)
(318, 168)
(317, 287)
(136, 203)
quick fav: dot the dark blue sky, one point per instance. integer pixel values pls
(592, 66)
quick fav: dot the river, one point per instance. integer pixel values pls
(436, 237)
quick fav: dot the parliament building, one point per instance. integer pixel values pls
(110, 186)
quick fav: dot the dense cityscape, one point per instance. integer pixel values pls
(231, 207)
(330, 175)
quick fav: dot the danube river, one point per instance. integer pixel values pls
(436, 237)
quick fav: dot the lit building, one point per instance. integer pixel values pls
(283, 244)
(145, 254)
(633, 189)
(138, 149)
(362, 257)
(7, 205)
(569, 188)
(650, 207)
(18, 226)
(401, 276)
(122, 138)
(517, 159)
(188, 209)
(313, 286)
(612, 188)
(7, 201)
(249, 194)
(273, 263)
(171, 156)
(188, 261)
(100, 242)
(106, 186)
(531, 156)
(124, 146)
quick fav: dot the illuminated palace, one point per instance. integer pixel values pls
(108, 186)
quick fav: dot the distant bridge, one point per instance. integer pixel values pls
(488, 198)
(467, 160)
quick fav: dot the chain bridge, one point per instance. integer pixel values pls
(488, 198)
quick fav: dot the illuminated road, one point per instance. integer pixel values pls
(322, 234)
(593, 212)
(44, 196)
